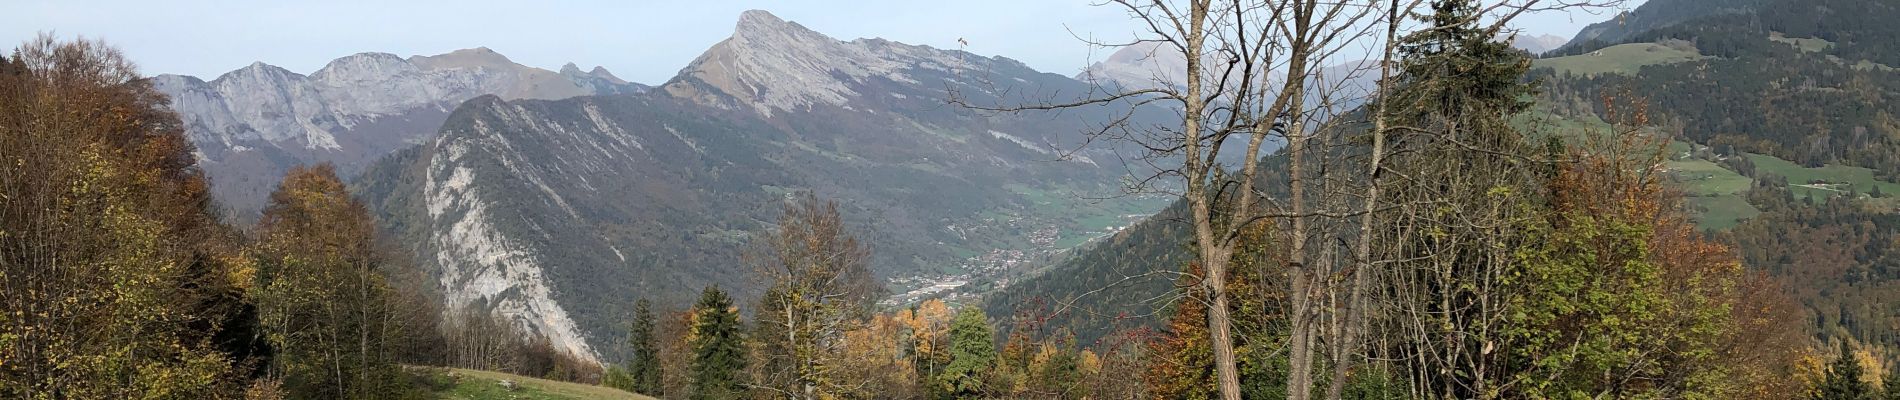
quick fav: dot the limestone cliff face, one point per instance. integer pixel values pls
(476, 260)
(252, 124)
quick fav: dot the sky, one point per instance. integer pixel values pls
(645, 41)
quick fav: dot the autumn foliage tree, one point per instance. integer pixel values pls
(1546, 266)
(1183, 364)
(1618, 287)
(321, 287)
(675, 331)
(928, 341)
(821, 288)
(876, 361)
(115, 276)
(121, 283)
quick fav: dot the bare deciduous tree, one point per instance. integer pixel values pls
(1258, 72)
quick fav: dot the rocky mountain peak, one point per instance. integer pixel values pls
(259, 71)
(601, 72)
(465, 58)
(1139, 66)
(364, 67)
(370, 57)
(251, 123)
(762, 26)
(770, 63)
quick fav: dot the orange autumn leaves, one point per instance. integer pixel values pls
(1692, 301)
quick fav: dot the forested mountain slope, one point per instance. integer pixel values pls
(1122, 281)
(1654, 14)
(1772, 83)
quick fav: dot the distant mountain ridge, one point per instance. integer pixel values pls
(1537, 44)
(1149, 65)
(250, 125)
(1139, 66)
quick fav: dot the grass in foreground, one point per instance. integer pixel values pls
(486, 385)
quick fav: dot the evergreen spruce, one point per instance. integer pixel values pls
(719, 352)
(1843, 380)
(645, 365)
(1487, 85)
(1890, 388)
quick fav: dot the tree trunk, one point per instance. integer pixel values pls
(1197, 171)
(1219, 326)
(1300, 349)
(1362, 255)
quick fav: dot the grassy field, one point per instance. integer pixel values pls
(1704, 178)
(1815, 45)
(1811, 45)
(1624, 59)
(486, 385)
(1722, 212)
(1838, 178)
(1716, 192)
(1719, 192)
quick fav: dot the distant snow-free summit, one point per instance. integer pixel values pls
(250, 125)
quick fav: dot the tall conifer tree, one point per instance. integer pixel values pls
(719, 352)
(645, 365)
(1843, 380)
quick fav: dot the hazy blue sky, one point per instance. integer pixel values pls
(642, 41)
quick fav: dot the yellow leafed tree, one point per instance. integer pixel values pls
(111, 278)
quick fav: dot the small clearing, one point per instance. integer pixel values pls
(1625, 59)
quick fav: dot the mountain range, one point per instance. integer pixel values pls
(1148, 65)
(250, 125)
(561, 213)
(558, 198)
